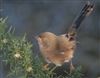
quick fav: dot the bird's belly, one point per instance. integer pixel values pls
(69, 54)
(57, 59)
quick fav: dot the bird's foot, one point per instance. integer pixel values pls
(45, 67)
(72, 68)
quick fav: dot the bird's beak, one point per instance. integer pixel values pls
(37, 38)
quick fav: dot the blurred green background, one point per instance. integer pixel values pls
(36, 16)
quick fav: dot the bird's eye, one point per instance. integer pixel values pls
(67, 35)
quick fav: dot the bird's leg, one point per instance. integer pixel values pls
(71, 67)
(45, 67)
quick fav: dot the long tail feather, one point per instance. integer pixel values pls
(86, 11)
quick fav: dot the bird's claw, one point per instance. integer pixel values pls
(72, 68)
(45, 67)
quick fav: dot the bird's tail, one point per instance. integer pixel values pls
(86, 11)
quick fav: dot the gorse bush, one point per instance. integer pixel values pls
(17, 54)
(15, 51)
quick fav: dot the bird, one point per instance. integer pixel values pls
(56, 49)
(59, 49)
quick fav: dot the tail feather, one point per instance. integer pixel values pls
(86, 11)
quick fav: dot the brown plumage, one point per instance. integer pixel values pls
(60, 49)
(56, 49)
